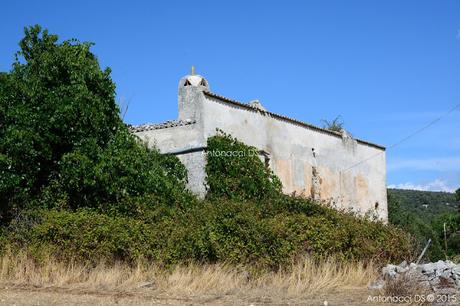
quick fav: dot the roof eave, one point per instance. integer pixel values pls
(288, 119)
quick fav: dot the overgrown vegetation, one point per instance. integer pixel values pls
(423, 214)
(234, 171)
(266, 231)
(75, 184)
(335, 125)
(267, 234)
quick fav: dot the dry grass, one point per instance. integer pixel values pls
(305, 278)
(404, 286)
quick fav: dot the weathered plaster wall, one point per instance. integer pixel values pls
(195, 163)
(308, 162)
(174, 138)
(179, 140)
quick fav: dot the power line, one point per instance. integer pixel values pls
(431, 123)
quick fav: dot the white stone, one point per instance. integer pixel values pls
(389, 271)
(403, 264)
(146, 285)
(428, 268)
(450, 264)
(378, 284)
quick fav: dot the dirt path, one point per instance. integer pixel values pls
(62, 296)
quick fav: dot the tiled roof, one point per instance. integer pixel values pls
(157, 126)
(287, 119)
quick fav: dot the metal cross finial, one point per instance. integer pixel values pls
(193, 70)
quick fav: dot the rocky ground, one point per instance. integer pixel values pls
(435, 283)
(441, 275)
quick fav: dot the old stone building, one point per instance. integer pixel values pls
(310, 161)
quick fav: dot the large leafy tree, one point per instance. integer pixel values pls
(55, 99)
(61, 133)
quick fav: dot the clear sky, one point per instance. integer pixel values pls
(387, 67)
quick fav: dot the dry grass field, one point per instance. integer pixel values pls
(23, 281)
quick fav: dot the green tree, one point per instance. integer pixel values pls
(123, 169)
(420, 229)
(61, 133)
(457, 194)
(451, 224)
(55, 99)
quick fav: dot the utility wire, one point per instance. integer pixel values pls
(406, 138)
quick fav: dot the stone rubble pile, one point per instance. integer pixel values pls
(437, 276)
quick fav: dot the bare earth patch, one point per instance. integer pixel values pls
(63, 296)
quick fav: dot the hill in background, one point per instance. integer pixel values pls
(427, 205)
(428, 215)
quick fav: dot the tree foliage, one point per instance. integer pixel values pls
(451, 224)
(423, 214)
(427, 205)
(61, 134)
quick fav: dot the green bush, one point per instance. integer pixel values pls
(218, 230)
(234, 170)
(84, 235)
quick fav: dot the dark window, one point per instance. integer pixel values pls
(267, 161)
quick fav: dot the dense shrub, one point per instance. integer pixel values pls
(241, 226)
(83, 235)
(209, 231)
(234, 170)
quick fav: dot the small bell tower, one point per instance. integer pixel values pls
(190, 88)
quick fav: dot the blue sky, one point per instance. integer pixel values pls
(387, 67)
